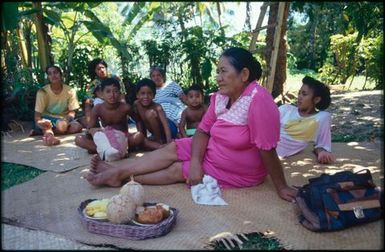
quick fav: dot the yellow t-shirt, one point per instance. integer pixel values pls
(56, 105)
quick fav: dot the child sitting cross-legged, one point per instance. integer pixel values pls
(112, 139)
(150, 116)
(193, 114)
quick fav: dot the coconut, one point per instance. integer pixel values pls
(121, 209)
(134, 190)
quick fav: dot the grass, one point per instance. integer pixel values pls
(294, 83)
(14, 174)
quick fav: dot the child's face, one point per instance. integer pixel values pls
(101, 71)
(306, 98)
(194, 98)
(111, 94)
(145, 96)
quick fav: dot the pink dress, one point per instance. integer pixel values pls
(236, 135)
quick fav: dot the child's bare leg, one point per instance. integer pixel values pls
(153, 124)
(49, 138)
(86, 142)
(74, 127)
(48, 135)
(135, 139)
(87, 110)
(102, 173)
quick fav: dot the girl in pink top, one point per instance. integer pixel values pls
(235, 142)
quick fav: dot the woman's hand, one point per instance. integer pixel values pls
(287, 193)
(325, 157)
(195, 174)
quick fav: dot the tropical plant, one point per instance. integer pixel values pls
(140, 12)
(345, 60)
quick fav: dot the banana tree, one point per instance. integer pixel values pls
(140, 11)
(68, 17)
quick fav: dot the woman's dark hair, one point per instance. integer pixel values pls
(110, 81)
(54, 66)
(241, 58)
(319, 89)
(160, 70)
(146, 83)
(92, 66)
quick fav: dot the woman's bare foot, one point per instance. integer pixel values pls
(108, 177)
(98, 165)
(50, 139)
(102, 173)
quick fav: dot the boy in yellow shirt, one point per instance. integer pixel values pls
(55, 109)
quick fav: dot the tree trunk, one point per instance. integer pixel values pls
(313, 29)
(281, 64)
(256, 31)
(22, 45)
(219, 19)
(28, 42)
(42, 35)
(247, 25)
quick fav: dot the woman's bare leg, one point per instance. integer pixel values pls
(150, 145)
(172, 174)
(102, 173)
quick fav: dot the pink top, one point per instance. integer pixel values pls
(236, 135)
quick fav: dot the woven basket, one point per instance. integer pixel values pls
(129, 231)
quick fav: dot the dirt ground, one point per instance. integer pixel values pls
(357, 116)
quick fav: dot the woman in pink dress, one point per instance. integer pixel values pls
(234, 143)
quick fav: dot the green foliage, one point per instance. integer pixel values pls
(291, 62)
(309, 37)
(375, 62)
(9, 16)
(255, 241)
(14, 174)
(345, 63)
(158, 53)
(78, 74)
(19, 82)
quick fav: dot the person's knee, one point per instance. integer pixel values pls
(136, 139)
(169, 150)
(150, 115)
(61, 126)
(171, 147)
(75, 127)
(175, 172)
(79, 140)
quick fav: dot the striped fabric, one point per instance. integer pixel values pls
(168, 97)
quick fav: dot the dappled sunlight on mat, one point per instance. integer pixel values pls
(30, 151)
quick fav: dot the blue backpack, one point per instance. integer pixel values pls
(335, 202)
